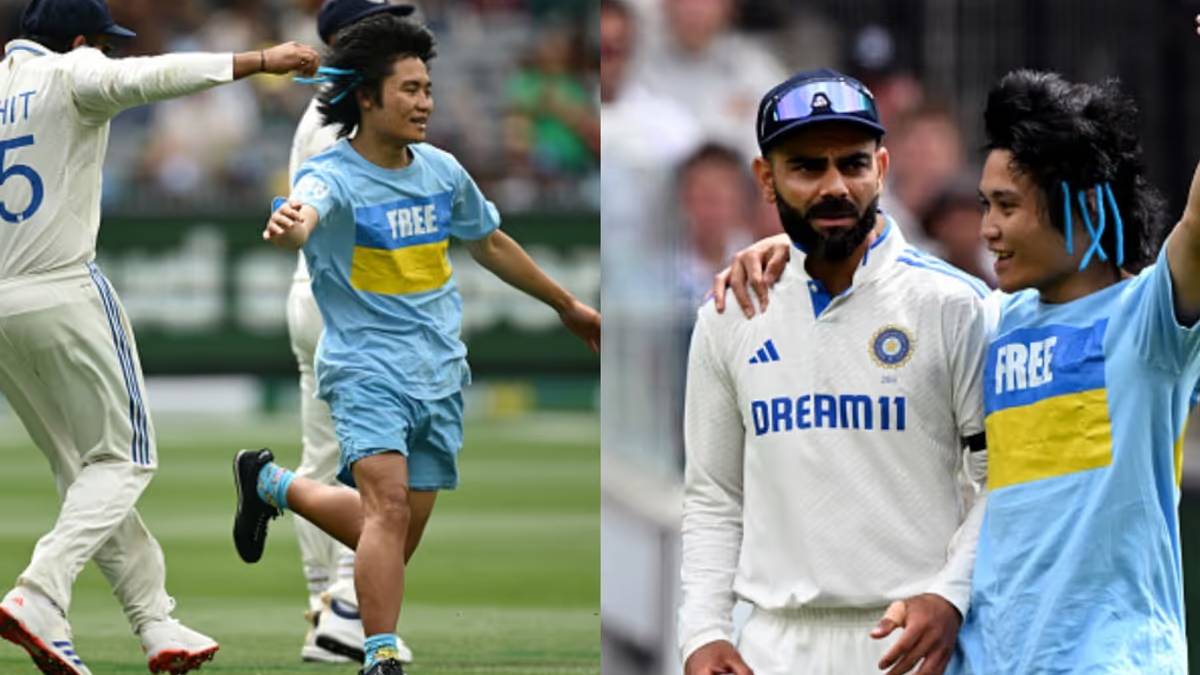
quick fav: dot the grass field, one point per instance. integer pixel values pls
(507, 579)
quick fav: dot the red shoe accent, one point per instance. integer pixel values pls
(179, 661)
(46, 659)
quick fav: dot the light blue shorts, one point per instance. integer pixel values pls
(372, 420)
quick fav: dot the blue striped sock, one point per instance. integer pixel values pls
(273, 482)
(378, 648)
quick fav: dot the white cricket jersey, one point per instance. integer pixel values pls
(824, 442)
(54, 119)
(311, 138)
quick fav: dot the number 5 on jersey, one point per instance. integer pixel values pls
(20, 171)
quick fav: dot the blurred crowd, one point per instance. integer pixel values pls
(679, 89)
(514, 84)
(679, 86)
(680, 83)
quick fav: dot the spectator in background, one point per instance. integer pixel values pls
(644, 137)
(201, 149)
(710, 70)
(927, 152)
(929, 147)
(877, 65)
(147, 171)
(552, 130)
(800, 35)
(952, 223)
(717, 203)
(194, 144)
(641, 128)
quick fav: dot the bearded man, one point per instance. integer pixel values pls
(825, 436)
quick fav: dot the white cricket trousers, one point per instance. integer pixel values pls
(69, 369)
(325, 559)
(814, 642)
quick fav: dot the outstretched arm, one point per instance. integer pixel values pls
(278, 60)
(505, 258)
(291, 224)
(104, 87)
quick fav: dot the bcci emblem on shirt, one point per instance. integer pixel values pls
(891, 347)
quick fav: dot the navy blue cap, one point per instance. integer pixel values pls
(812, 97)
(337, 14)
(68, 18)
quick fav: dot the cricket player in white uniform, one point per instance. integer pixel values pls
(336, 635)
(825, 437)
(68, 362)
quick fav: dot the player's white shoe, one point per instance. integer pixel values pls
(314, 653)
(33, 622)
(339, 630)
(172, 647)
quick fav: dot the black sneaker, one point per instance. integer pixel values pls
(253, 514)
(384, 667)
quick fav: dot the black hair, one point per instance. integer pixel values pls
(55, 43)
(369, 47)
(1084, 134)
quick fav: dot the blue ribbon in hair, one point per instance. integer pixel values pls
(345, 78)
(1095, 232)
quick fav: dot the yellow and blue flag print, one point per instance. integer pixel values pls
(401, 246)
(1046, 404)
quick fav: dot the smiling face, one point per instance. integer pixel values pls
(1030, 252)
(825, 180)
(401, 112)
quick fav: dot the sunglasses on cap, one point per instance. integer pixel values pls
(819, 100)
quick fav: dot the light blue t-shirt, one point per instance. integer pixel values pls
(1078, 567)
(380, 271)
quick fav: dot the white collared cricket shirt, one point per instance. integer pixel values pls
(824, 442)
(54, 119)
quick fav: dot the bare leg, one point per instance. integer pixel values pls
(379, 566)
(420, 502)
(335, 509)
(338, 511)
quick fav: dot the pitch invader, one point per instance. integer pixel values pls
(68, 361)
(825, 437)
(335, 634)
(391, 363)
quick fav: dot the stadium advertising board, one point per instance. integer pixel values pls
(206, 295)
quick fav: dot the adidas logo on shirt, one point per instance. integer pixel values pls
(765, 353)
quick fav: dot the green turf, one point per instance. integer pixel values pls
(507, 578)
